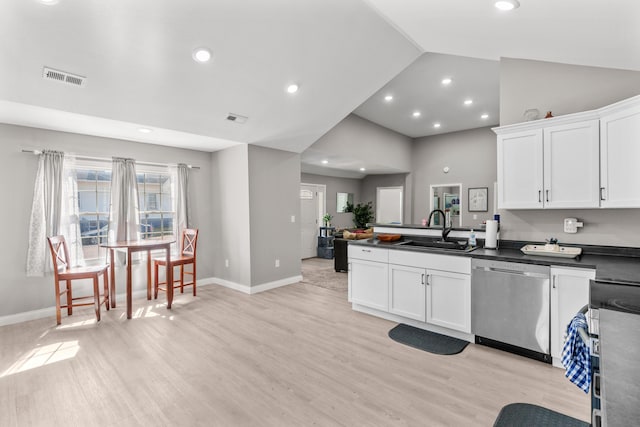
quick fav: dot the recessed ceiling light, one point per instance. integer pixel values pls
(416, 114)
(484, 116)
(324, 162)
(388, 98)
(446, 81)
(292, 88)
(201, 54)
(144, 130)
(49, 2)
(507, 4)
(468, 101)
(362, 169)
(436, 125)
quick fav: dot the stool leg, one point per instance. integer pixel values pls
(181, 278)
(69, 299)
(58, 314)
(155, 280)
(96, 296)
(106, 288)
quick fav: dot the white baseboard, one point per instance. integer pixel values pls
(51, 311)
(259, 288)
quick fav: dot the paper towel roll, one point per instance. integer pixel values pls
(491, 234)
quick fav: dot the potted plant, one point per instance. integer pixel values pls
(327, 220)
(362, 213)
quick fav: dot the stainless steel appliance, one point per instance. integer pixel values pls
(510, 307)
(615, 327)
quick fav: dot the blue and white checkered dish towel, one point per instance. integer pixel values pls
(575, 354)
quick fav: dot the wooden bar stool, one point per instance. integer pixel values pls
(63, 272)
(187, 256)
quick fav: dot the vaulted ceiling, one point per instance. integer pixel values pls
(136, 57)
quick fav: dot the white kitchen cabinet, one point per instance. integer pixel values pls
(569, 294)
(369, 277)
(520, 170)
(547, 166)
(571, 165)
(407, 291)
(449, 300)
(620, 157)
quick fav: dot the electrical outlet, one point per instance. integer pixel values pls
(277, 263)
(293, 218)
(475, 216)
(226, 263)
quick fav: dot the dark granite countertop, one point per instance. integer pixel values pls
(612, 264)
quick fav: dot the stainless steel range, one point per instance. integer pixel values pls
(615, 327)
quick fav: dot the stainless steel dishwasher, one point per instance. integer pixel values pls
(510, 307)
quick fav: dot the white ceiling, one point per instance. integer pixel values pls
(136, 56)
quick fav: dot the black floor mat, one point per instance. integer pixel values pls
(527, 415)
(426, 340)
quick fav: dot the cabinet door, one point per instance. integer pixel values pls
(407, 291)
(572, 165)
(369, 284)
(449, 300)
(520, 170)
(569, 293)
(620, 159)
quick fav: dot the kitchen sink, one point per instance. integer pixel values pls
(439, 244)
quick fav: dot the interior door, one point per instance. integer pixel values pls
(309, 220)
(389, 205)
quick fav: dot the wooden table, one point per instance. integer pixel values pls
(136, 246)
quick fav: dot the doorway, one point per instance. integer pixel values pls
(312, 209)
(389, 205)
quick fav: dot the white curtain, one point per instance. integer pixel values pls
(124, 214)
(70, 217)
(180, 182)
(45, 211)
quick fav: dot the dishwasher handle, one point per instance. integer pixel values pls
(513, 272)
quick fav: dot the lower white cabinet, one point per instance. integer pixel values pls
(407, 291)
(569, 294)
(449, 300)
(426, 287)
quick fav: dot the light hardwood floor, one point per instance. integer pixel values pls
(294, 356)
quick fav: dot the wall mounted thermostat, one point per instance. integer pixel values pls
(571, 225)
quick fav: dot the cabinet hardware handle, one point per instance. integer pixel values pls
(539, 196)
(366, 250)
(423, 278)
(554, 282)
(427, 280)
(601, 193)
(547, 195)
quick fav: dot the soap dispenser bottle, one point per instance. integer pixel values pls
(472, 238)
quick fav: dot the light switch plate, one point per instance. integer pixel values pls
(571, 225)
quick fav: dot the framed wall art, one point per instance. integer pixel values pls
(478, 199)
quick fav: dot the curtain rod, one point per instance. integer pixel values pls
(106, 159)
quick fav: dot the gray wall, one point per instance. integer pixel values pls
(19, 293)
(274, 196)
(565, 89)
(559, 88)
(336, 185)
(229, 214)
(471, 157)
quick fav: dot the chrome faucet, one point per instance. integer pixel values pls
(445, 230)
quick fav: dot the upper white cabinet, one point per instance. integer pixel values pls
(620, 158)
(520, 170)
(582, 160)
(553, 166)
(571, 165)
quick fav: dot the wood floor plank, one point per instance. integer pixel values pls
(296, 355)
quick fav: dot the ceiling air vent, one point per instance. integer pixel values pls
(237, 118)
(63, 77)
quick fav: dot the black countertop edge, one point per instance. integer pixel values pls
(610, 267)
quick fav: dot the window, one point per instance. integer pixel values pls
(94, 193)
(154, 199)
(94, 199)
